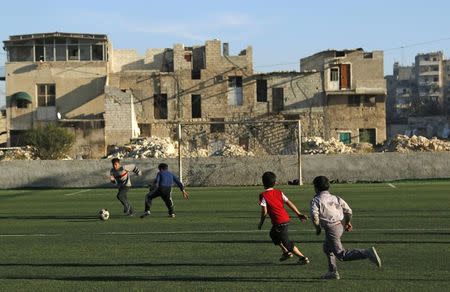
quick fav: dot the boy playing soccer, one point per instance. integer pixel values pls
(163, 188)
(333, 214)
(120, 176)
(272, 202)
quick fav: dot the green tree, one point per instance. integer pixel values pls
(50, 141)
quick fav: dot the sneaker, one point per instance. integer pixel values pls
(286, 256)
(303, 261)
(331, 276)
(373, 257)
(146, 213)
(171, 215)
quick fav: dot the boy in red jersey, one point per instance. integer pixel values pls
(272, 203)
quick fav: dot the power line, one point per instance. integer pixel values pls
(417, 44)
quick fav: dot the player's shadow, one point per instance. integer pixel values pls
(50, 217)
(171, 278)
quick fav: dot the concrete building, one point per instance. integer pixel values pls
(57, 76)
(108, 96)
(430, 70)
(352, 94)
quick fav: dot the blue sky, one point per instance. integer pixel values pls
(281, 32)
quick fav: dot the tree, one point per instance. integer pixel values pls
(50, 141)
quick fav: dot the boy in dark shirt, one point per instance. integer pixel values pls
(163, 188)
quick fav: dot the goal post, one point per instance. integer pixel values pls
(271, 141)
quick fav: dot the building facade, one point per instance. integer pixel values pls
(108, 96)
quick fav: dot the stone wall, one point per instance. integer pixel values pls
(215, 171)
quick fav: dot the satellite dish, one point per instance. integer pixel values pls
(58, 115)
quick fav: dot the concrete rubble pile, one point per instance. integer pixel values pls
(22, 153)
(317, 145)
(233, 151)
(404, 144)
(153, 147)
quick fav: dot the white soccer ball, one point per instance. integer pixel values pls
(103, 214)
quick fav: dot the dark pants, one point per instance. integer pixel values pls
(164, 193)
(332, 247)
(122, 196)
(279, 234)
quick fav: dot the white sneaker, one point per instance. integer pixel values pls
(172, 215)
(331, 276)
(303, 261)
(146, 213)
(373, 257)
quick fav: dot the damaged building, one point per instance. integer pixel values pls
(108, 96)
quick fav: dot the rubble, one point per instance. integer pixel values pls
(153, 147)
(317, 145)
(233, 151)
(18, 153)
(404, 144)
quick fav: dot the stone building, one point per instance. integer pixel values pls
(57, 77)
(108, 96)
(351, 94)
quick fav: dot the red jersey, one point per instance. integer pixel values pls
(274, 200)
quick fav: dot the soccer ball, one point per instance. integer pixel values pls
(103, 214)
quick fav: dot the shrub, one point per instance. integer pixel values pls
(50, 141)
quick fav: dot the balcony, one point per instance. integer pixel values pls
(370, 86)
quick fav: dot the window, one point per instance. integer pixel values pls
(334, 74)
(369, 101)
(39, 50)
(46, 95)
(277, 99)
(261, 90)
(22, 103)
(60, 49)
(354, 100)
(97, 53)
(188, 57)
(160, 106)
(72, 50)
(436, 79)
(85, 51)
(367, 136)
(368, 55)
(217, 128)
(196, 101)
(235, 90)
(345, 137)
(50, 51)
(21, 51)
(196, 74)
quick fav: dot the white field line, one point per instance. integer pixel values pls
(221, 232)
(76, 193)
(391, 185)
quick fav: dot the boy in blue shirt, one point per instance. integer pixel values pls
(163, 188)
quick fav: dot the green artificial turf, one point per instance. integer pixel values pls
(51, 240)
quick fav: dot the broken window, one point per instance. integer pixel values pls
(367, 136)
(46, 95)
(160, 106)
(60, 49)
(261, 90)
(97, 53)
(235, 96)
(196, 74)
(39, 50)
(340, 54)
(146, 130)
(188, 57)
(354, 100)
(368, 55)
(277, 99)
(196, 103)
(334, 74)
(219, 127)
(244, 142)
(85, 51)
(369, 101)
(72, 50)
(21, 52)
